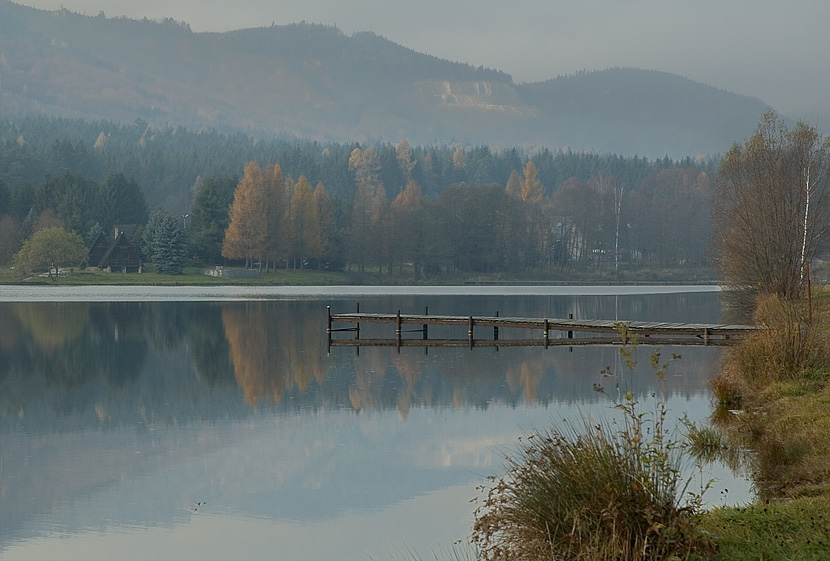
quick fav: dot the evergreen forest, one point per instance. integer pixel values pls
(406, 211)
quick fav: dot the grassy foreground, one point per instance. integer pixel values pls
(601, 493)
(778, 381)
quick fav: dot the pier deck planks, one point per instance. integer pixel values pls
(663, 329)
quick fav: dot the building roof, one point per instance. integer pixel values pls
(118, 252)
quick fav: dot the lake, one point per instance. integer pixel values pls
(214, 422)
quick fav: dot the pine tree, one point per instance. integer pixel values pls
(120, 201)
(276, 216)
(165, 243)
(210, 217)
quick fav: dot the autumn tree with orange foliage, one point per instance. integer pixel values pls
(531, 187)
(247, 231)
(514, 185)
(276, 242)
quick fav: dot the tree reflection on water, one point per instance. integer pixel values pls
(271, 351)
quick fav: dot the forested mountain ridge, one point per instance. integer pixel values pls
(316, 82)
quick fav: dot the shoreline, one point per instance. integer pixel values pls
(103, 293)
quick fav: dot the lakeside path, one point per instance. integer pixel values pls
(145, 293)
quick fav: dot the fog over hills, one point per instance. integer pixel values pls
(316, 82)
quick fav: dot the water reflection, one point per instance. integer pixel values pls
(134, 415)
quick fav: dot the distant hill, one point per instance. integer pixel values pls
(314, 81)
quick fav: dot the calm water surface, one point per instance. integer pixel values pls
(214, 423)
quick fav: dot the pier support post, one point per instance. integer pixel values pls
(398, 329)
(426, 326)
(570, 333)
(470, 331)
(357, 324)
(496, 329)
(546, 333)
(328, 330)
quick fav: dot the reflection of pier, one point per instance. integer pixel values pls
(609, 331)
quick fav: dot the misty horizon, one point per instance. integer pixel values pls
(721, 46)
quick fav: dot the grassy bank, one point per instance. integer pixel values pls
(605, 493)
(191, 276)
(774, 401)
(194, 276)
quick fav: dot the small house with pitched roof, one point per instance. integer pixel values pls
(114, 254)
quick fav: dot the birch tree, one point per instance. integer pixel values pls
(610, 191)
(771, 209)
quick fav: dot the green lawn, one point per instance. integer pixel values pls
(190, 276)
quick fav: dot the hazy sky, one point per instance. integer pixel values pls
(777, 51)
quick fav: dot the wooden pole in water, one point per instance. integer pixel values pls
(398, 329)
(496, 329)
(426, 326)
(570, 333)
(357, 324)
(470, 331)
(546, 333)
(328, 329)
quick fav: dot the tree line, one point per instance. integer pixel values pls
(598, 225)
(405, 209)
(167, 161)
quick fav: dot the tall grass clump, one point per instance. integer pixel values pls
(789, 342)
(778, 378)
(597, 491)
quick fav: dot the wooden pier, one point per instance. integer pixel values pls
(610, 331)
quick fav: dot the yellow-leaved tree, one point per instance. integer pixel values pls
(531, 187)
(276, 217)
(247, 232)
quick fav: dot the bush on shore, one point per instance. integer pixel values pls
(602, 491)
